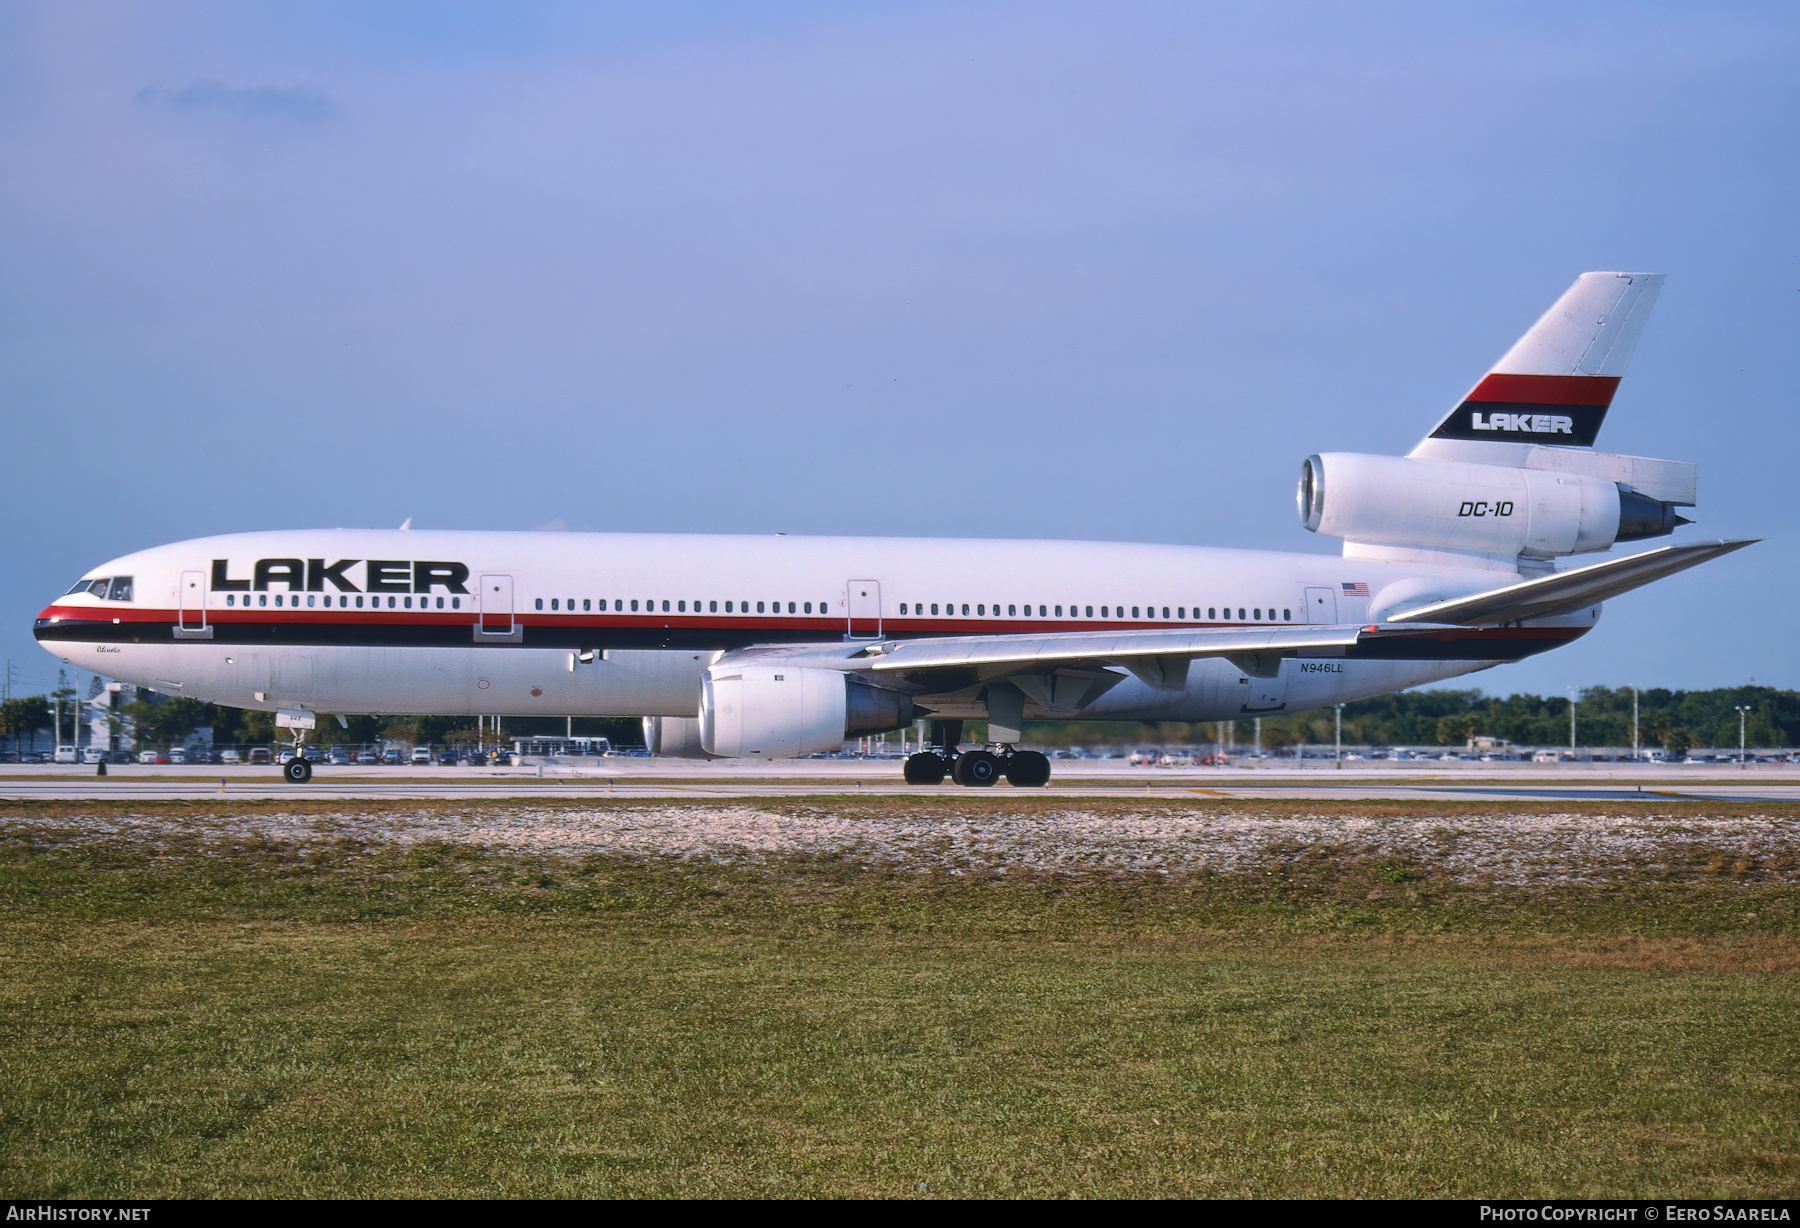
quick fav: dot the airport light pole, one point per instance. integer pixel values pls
(1571, 722)
(1742, 711)
(1634, 725)
(1339, 755)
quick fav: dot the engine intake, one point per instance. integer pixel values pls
(1458, 505)
(781, 712)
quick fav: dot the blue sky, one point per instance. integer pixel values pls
(1104, 271)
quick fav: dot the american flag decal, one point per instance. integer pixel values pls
(1358, 589)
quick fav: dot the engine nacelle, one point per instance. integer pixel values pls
(1456, 505)
(782, 712)
(674, 737)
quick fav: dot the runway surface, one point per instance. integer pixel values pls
(677, 779)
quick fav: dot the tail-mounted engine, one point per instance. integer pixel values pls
(1490, 509)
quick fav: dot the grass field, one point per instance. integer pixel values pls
(197, 1011)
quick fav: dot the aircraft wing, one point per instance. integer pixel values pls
(1567, 591)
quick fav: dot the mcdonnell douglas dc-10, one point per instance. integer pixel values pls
(783, 646)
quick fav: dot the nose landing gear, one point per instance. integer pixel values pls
(298, 770)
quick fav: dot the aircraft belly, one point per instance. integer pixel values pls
(1218, 691)
(360, 680)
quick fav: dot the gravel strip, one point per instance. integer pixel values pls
(1537, 849)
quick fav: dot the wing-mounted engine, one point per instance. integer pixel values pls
(1561, 502)
(782, 711)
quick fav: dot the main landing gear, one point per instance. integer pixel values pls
(975, 769)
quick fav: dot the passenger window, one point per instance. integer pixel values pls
(359, 603)
(230, 600)
(409, 603)
(1090, 611)
(1240, 612)
(809, 608)
(553, 603)
(1227, 612)
(934, 607)
(278, 599)
(759, 607)
(1041, 611)
(309, 601)
(1059, 611)
(120, 590)
(981, 609)
(965, 609)
(1134, 611)
(1286, 616)
(262, 599)
(902, 606)
(713, 606)
(791, 608)
(665, 607)
(634, 605)
(1258, 613)
(455, 602)
(1165, 611)
(587, 603)
(440, 602)
(1011, 611)
(1180, 611)
(540, 603)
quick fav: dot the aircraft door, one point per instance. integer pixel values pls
(190, 608)
(496, 606)
(193, 600)
(1321, 606)
(1259, 695)
(865, 610)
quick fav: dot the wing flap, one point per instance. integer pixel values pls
(1152, 652)
(1567, 591)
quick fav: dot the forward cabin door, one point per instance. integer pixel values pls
(193, 600)
(496, 607)
(865, 610)
(190, 616)
(1321, 606)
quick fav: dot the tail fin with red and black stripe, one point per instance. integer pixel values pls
(1555, 384)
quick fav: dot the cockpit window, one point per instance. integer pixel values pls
(121, 589)
(83, 586)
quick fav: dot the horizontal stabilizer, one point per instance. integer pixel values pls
(1567, 591)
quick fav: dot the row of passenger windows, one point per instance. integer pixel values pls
(1252, 613)
(914, 609)
(619, 605)
(313, 600)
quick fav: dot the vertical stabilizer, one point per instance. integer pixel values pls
(1554, 386)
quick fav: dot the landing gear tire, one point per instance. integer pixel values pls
(977, 769)
(1027, 769)
(296, 771)
(926, 768)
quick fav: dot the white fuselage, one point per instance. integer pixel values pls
(602, 624)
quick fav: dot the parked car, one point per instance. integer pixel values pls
(476, 759)
(93, 754)
(448, 759)
(421, 755)
(9, 756)
(64, 754)
(120, 756)
(260, 754)
(340, 756)
(230, 756)
(391, 756)
(31, 756)
(146, 756)
(178, 754)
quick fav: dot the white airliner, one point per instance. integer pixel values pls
(782, 646)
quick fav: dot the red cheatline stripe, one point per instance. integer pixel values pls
(1547, 389)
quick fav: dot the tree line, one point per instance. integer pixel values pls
(1671, 720)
